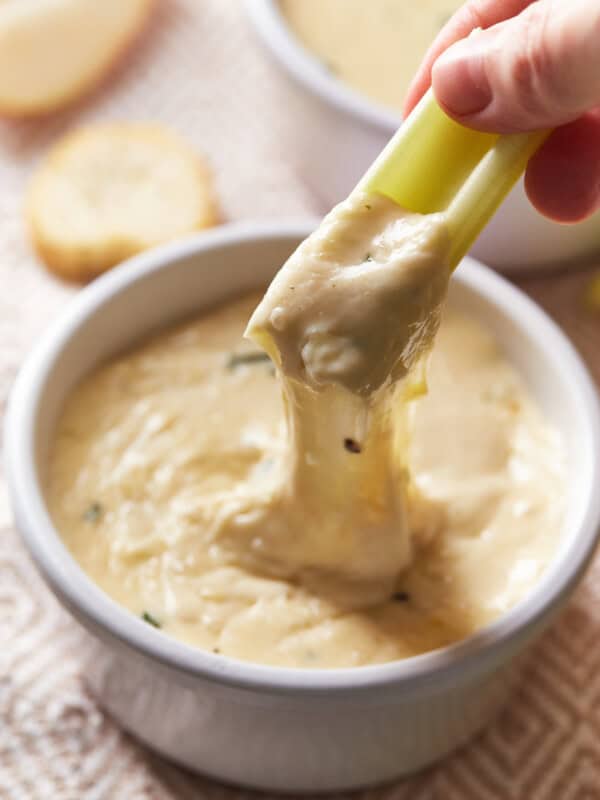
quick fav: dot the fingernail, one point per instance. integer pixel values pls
(459, 78)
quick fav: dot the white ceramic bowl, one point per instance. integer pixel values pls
(275, 728)
(344, 131)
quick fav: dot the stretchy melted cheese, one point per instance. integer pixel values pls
(374, 46)
(341, 525)
(346, 319)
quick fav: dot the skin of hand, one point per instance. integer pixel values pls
(519, 65)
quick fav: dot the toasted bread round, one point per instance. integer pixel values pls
(53, 51)
(107, 192)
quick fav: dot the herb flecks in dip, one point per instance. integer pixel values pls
(373, 46)
(184, 455)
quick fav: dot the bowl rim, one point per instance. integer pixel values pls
(305, 67)
(485, 648)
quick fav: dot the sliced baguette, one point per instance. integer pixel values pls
(107, 192)
(53, 51)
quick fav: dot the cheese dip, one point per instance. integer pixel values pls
(374, 46)
(169, 482)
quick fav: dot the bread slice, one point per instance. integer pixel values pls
(53, 51)
(109, 191)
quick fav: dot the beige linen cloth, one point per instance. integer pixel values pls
(201, 71)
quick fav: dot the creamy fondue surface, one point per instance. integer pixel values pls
(349, 519)
(374, 46)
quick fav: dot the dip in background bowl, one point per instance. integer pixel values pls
(343, 130)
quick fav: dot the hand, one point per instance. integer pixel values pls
(535, 65)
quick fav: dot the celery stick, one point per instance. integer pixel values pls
(487, 186)
(433, 164)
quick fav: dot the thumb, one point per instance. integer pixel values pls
(537, 70)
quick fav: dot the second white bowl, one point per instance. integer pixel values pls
(342, 132)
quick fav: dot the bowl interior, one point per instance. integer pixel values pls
(166, 285)
(117, 314)
(551, 370)
(306, 68)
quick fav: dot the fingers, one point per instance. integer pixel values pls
(533, 66)
(473, 14)
(563, 178)
(538, 70)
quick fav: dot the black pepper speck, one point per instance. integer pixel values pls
(352, 446)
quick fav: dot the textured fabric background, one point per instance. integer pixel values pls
(200, 70)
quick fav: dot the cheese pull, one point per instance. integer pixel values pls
(349, 321)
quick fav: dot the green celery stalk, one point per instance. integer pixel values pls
(434, 164)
